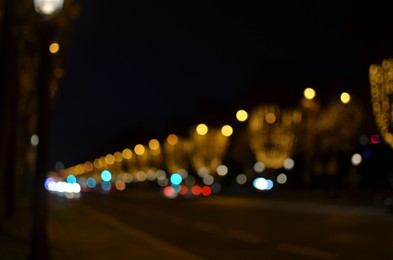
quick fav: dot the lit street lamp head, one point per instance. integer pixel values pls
(48, 7)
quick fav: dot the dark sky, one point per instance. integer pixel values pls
(144, 64)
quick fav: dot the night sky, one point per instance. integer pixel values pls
(146, 64)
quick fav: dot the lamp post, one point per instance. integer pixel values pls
(46, 32)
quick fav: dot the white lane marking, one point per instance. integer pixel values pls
(306, 251)
(139, 234)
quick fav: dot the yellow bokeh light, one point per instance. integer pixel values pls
(202, 129)
(270, 118)
(154, 144)
(88, 166)
(172, 139)
(127, 154)
(226, 130)
(97, 163)
(54, 47)
(139, 149)
(309, 93)
(103, 162)
(118, 156)
(345, 98)
(110, 159)
(241, 115)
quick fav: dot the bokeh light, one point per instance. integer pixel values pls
(54, 47)
(356, 159)
(241, 115)
(172, 139)
(176, 179)
(309, 93)
(127, 154)
(227, 130)
(345, 98)
(289, 163)
(34, 140)
(282, 178)
(222, 170)
(139, 149)
(241, 179)
(106, 175)
(202, 129)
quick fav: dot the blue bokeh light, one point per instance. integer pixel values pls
(106, 175)
(71, 179)
(176, 179)
(91, 182)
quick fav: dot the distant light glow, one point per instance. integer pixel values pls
(222, 170)
(71, 179)
(154, 144)
(345, 98)
(91, 182)
(375, 139)
(241, 115)
(270, 118)
(260, 183)
(259, 166)
(206, 191)
(172, 139)
(309, 93)
(269, 184)
(48, 7)
(176, 179)
(241, 179)
(118, 156)
(227, 130)
(126, 177)
(169, 192)
(120, 185)
(110, 159)
(34, 140)
(289, 163)
(54, 47)
(127, 154)
(160, 174)
(48, 181)
(141, 176)
(139, 149)
(106, 185)
(281, 178)
(106, 175)
(356, 159)
(208, 179)
(202, 129)
(196, 190)
(183, 190)
(88, 166)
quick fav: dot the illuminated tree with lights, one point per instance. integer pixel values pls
(176, 153)
(271, 134)
(381, 81)
(209, 145)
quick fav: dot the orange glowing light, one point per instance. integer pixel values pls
(172, 139)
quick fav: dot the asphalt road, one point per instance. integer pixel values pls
(143, 225)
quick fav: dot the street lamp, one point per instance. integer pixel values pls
(46, 32)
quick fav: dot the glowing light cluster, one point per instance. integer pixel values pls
(381, 84)
(262, 184)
